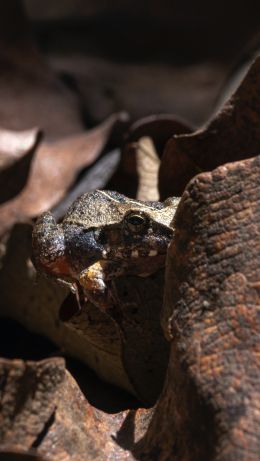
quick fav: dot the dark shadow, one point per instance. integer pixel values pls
(188, 432)
(16, 455)
(125, 436)
(101, 395)
(29, 346)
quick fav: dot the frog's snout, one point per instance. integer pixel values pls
(48, 247)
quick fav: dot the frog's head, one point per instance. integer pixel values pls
(104, 225)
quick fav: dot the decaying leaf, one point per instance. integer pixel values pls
(147, 164)
(44, 411)
(159, 128)
(27, 403)
(232, 135)
(209, 407)
(54, 168)
(17, 149)
(15, 144)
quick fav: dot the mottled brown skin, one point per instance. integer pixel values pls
(104, 235)
(209, 410)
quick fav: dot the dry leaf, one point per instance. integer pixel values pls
(54, 418)
(210, 401)
(232, 135)
(16, 153)
(157, 127)
(15, 144)
(54, 168)
(147, 164)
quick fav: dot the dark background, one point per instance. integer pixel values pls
(146, 57)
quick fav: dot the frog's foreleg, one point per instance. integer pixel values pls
(95, 282)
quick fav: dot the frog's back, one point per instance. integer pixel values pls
(101, 207)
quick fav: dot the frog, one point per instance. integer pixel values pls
(103, 235)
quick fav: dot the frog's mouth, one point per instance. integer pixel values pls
(119, 262)
(94, 278)
(145, 265)
(98, 274)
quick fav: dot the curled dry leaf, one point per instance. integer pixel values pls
(15, 144)
(53, 170)
(16, 153)
(43, 419)
(210, 401)
(147, 164)
(28, 386)
(232, 135)
(159, 128)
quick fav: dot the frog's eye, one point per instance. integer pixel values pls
(135, 222)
